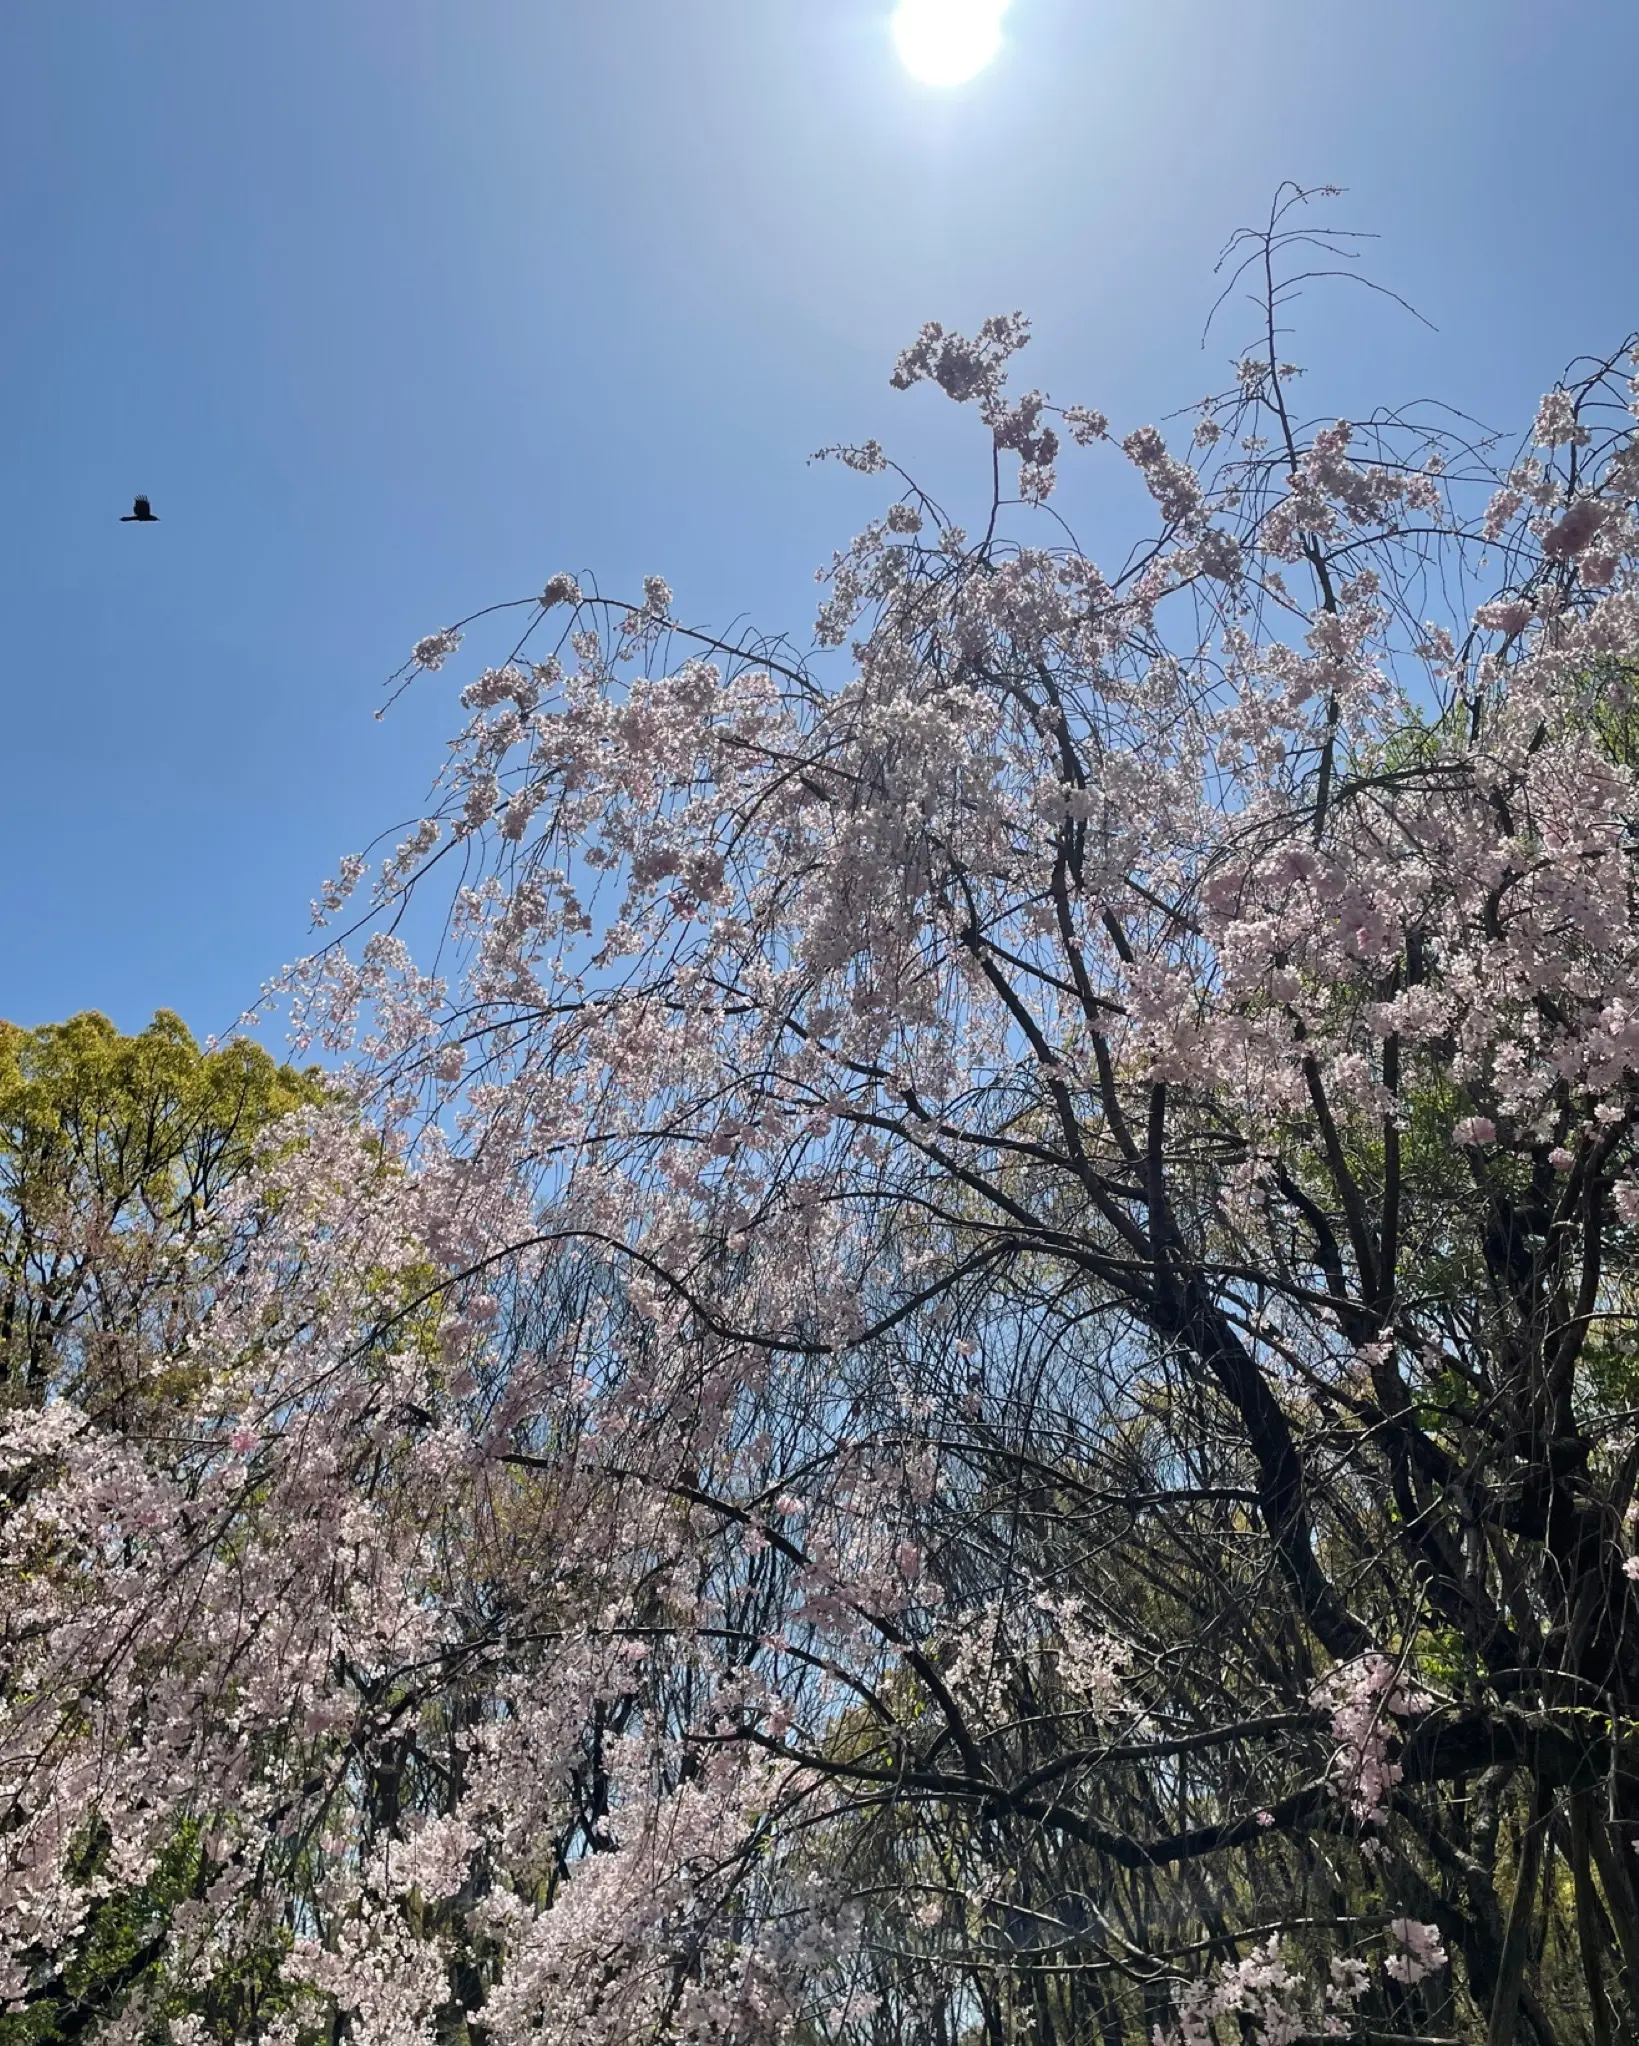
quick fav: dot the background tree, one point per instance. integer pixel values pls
(114, 1153)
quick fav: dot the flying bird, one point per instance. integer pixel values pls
(141, 513)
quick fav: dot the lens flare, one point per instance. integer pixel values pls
(945, 42)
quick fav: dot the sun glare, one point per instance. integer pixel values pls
(944, 42)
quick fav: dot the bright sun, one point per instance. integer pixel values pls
(944, 42)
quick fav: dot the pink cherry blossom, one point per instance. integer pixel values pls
(910, 1290)
(1420, 1951)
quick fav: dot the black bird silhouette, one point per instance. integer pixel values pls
(141, 513)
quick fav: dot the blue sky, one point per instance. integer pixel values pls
(397, 307)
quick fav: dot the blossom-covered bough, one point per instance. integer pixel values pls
(963, 1368)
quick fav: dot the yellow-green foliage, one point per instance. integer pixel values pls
(113, 1151)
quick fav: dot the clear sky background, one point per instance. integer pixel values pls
(397, 306)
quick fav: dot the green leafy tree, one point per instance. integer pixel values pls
(115, 1152)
